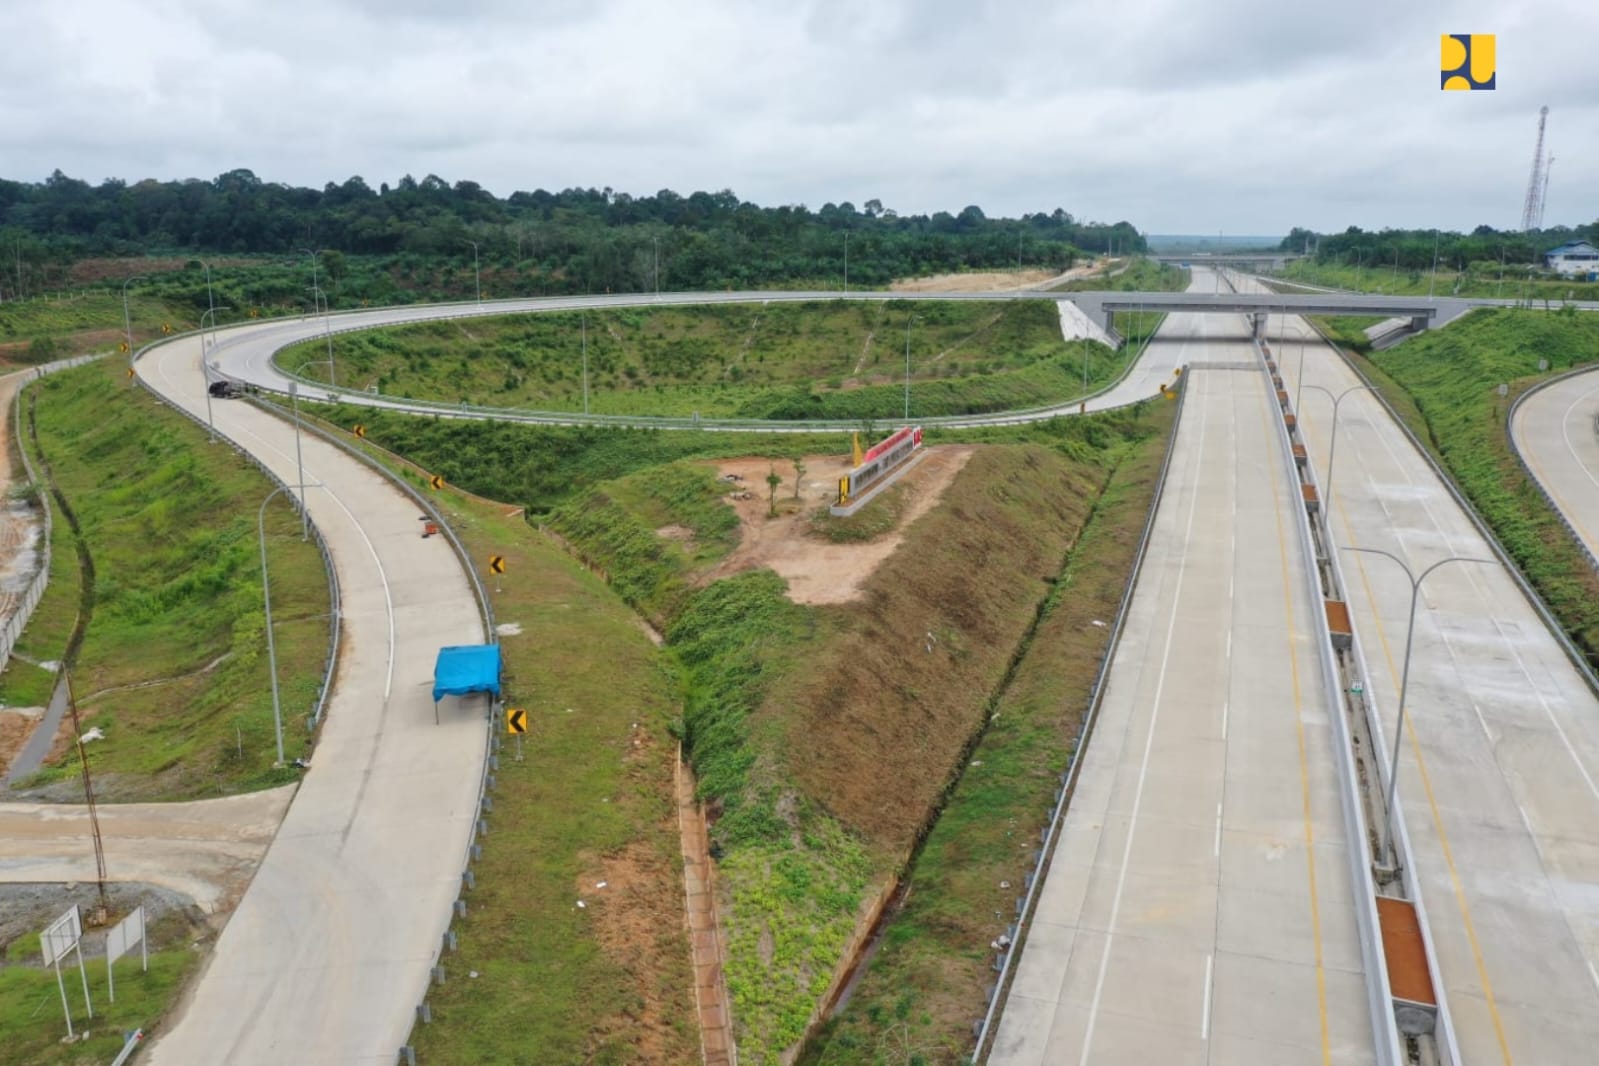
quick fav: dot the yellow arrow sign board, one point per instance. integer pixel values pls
(436, 481)
(497, 563)
(360, 431)
(515, 720)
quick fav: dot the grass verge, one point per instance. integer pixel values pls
(173, 664)
(1444, 383)
(30, 1007)
(916, 1000)
(609, 982)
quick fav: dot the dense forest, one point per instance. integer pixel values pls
(578, 240)
(1415, 248)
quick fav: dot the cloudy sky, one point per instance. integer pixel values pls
(1182, 116)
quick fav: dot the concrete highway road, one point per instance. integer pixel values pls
(1499, 765)
(1199, 907)
(326, 956)
(1557, 430)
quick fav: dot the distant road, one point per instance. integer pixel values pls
(1199, 906)
(1557, 429)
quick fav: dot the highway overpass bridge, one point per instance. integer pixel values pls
(1421, 312)
(1248, 260)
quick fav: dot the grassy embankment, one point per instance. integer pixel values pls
(823, 749)
(843, 360)
(30, 1003)
(928, 980)
(592, 802)
(39, 330)
(1478, 280)
(1445, 383)
(173, 664)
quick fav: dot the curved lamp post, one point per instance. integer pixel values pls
(266, 597)
(1332, 450)
(1404, 673)
(127, 323)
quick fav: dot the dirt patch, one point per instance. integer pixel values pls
(631, 897)
(206, 850)
(995, 280)
(977, 281)
(16, 725)
(818, 571)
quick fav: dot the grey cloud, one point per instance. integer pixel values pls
(1172, 114)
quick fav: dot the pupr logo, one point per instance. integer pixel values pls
(1466, 61)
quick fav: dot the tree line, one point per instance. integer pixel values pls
(1415, 249)
(587, 240)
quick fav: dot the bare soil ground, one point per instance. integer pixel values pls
(976, 281)
(994, 280)
(817, 570)
(206, 851)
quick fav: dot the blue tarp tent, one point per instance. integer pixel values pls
(466, 668)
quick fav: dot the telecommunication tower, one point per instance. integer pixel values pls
(1532, 210)
(1543, 198)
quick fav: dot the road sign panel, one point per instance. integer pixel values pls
(166, 327)
(437, 481)
(62, 936)
(123, 347)
(515, 720)
(360, 431)
(497, 563)
(125, 935)
(130, 371)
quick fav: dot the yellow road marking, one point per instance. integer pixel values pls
(1432, 800)
(1304, 763)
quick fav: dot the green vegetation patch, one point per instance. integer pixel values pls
(1445, 383)
(173, 665)
(30, 1007)
(1481, 278)
(833, 359)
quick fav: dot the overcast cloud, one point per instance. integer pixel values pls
(1178, 115)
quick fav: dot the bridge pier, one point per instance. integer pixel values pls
(1419, 323)
(1257, 322)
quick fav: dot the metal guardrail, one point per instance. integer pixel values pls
(1550, 622)
(334, 599)
(1379, 990)
(14, 626)
(1515, 449)
(1035, 879)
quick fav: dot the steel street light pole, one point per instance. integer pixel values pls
(1433, 281)
(477, 284)
(908, 322)
(127, 323)
(846, 262)
(205, 373)
(1332, 449)
(1404, 673)
(266, 596)
(327, 307)
(585, 321)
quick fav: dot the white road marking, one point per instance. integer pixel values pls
(1143, 770)
(1216, 850)
(1204, 1018)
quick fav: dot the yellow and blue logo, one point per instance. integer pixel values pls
(1466, 61)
